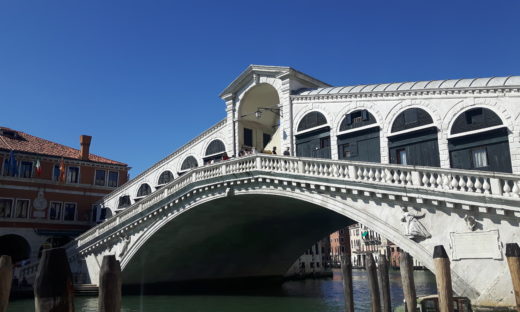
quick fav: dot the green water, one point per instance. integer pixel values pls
(323, 295)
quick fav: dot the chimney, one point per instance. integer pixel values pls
(84, 141)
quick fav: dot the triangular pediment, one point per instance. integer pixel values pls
(282, 72)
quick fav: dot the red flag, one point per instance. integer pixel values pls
(62, 170)
(38, 168)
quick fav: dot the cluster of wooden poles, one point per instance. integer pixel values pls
(380, 286)
(53, 288)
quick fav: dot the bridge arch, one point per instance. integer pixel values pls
(258, 116)
(238, 202)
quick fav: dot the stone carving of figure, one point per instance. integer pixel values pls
(470, 222)
(413, 227)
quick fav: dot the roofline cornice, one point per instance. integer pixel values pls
(418, 92)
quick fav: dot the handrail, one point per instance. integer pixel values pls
(453, 180)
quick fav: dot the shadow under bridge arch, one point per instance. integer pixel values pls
(234, 237)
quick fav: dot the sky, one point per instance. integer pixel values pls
(143, 77)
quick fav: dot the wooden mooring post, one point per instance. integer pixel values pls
(513, 261)
(443, 279)
(372, 282)
(346, 269)
(406, 268)
(53, 290)
(110, 285)
(6, 279)
(384, 283)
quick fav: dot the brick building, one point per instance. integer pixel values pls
(48, 191)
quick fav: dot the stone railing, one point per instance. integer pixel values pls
(475, 183)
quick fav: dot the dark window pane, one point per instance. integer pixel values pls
(55, 211)
(69, 212)
(311, 120)
(165, 177)
(124, 201)
(100, 177)
(26, 169)
(144, 190)
(56, 173)
(215, 147)
(6, 205)
(113, 177)
(248, 137)
(73, 175)
(188, 163)
(22, 208)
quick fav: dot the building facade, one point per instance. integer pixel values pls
(315, 262)
(48, 191)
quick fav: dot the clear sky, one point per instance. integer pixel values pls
(143, 77)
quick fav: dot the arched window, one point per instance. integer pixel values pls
(359, 144)
(144, 190)
(418, 146)
(124, 201)
(165, 177)
(188, 163)
(356, 119)
(411, 118)
(478, 142)
(312, 120)
(215, 147)
(315, 143)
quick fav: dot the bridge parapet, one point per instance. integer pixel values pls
(483, 191)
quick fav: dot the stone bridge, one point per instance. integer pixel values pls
(252, 216)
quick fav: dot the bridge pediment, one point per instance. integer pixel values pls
(253, 73)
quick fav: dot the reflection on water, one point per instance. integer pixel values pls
(323, 295)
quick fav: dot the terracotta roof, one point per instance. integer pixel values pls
(23, 142)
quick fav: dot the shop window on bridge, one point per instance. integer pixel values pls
(214, 152)
(414, 139)
(124, 201)
(189, 163)
(315, 140)
(358, 137)
(143, 191)
(165, 178)
(479, 141)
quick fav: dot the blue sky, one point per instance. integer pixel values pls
(143, 77)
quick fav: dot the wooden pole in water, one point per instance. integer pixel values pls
(443, 278)
(513, 260)
(110, 285)
(372, 282)
(346, 269)
(6, 279)
(53, 290)
(406, 268)
(384, 283)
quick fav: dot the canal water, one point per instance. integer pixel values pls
(310, 295)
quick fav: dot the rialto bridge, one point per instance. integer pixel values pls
(422, 163)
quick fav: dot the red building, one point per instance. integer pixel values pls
(48, 191)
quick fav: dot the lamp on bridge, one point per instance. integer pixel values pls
(275, 109)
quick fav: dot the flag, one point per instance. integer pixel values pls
(12, 168)
(62, 171)
(38, 168)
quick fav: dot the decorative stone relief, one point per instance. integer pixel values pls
(413, 228)
(471, 223)
(39, 204)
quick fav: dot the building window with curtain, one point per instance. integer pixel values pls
(113, 176)
(100, 177)
(69, 212)
(73, 175)
(479, 158)
(22, 209)
(6, 205)
(55, 211)
(26, 169)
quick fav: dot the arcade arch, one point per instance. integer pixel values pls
(258, 118)
(313, 136)
(479, 140)
(358, 137)
(187, 164)
(414, 139)
(214, 152)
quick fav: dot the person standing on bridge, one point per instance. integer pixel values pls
(287, 152)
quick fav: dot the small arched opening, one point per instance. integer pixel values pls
(189, 163)
(214, 152)
(413, 140)
(144, 190)
(358, 137)
(15, 246)
(165, 178)
(259, 120)
(313, 136)
(479, 141)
